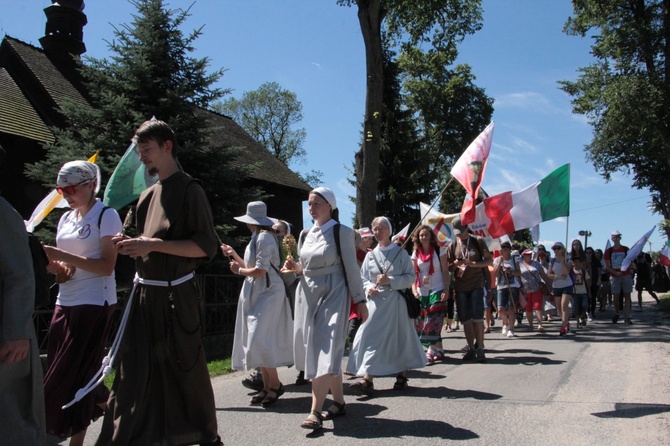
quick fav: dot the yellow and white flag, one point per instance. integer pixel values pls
(49, 203)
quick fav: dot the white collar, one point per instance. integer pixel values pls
(324, 227)
(386, 248)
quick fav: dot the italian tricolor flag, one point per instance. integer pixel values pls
(545, 200)
(665, 255)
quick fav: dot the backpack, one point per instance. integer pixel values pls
(40, 262)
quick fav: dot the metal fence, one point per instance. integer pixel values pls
(220, 293)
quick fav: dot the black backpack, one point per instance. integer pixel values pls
(40, 262)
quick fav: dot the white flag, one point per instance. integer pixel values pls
(635, 250)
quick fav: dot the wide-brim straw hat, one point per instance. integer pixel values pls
(257, 214)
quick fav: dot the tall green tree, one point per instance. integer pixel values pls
(625, 92)
(452, 112)
(151, 73)
(405, 166)
(437, 24)
(271, 115)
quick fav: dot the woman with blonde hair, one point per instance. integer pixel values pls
(83, 262)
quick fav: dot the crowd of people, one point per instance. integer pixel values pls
(345, 290)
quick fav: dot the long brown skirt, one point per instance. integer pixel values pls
(76, 346)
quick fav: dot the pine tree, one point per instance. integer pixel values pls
(151, 73)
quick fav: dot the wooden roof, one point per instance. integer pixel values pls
(228, 133)
(45, 72)
(17, 115)
(20, 113)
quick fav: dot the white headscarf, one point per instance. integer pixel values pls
(77, 172)
(386, 221)
(328, 195)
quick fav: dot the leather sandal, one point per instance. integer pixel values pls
(268, 400)
(329, 414)
(258, 399)
(400, 383)
(363, 388)
(311, 424)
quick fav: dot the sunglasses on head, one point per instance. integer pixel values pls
(70, 190)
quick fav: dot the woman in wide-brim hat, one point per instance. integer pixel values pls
(263, 326)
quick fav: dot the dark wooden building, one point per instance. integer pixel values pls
(36, 82)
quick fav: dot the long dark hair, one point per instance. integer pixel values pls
(417, 241)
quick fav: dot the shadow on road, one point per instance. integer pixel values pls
(633, 410)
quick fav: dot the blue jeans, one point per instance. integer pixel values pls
(470, 305)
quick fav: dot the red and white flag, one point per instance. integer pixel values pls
(508, 212)
(469, 170)
(402, 235)
(665, 255)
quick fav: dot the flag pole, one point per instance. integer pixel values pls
(567, 220)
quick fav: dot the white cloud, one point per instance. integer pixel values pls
(527, 100)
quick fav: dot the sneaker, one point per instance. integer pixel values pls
(253, 382)
(504, 330)
(470, 355)
(481, 357)
(615, 318)
(629, 322)
(589, 318)
(510, 334)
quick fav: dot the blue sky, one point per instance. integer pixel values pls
(314, 48)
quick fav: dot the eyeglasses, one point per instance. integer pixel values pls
(70, 190)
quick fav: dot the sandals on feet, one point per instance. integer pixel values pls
(363, 388)
(258, 399)
(312, 424)
(268, 400)
(400, 383)
(329, 414)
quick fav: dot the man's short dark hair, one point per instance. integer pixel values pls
(158, 131)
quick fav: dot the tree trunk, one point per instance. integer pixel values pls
(370, 17)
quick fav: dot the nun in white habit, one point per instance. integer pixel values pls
(328, 281)
(263, 326)
(387, 343)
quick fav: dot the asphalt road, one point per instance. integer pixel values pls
(603, 384)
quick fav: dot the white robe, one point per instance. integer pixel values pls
(386, 343)
(263, 327)
(322, 300)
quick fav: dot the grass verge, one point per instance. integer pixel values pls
(216, 368)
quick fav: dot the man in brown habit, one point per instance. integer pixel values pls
(162, 393)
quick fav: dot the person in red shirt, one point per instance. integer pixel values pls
(621, 281)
